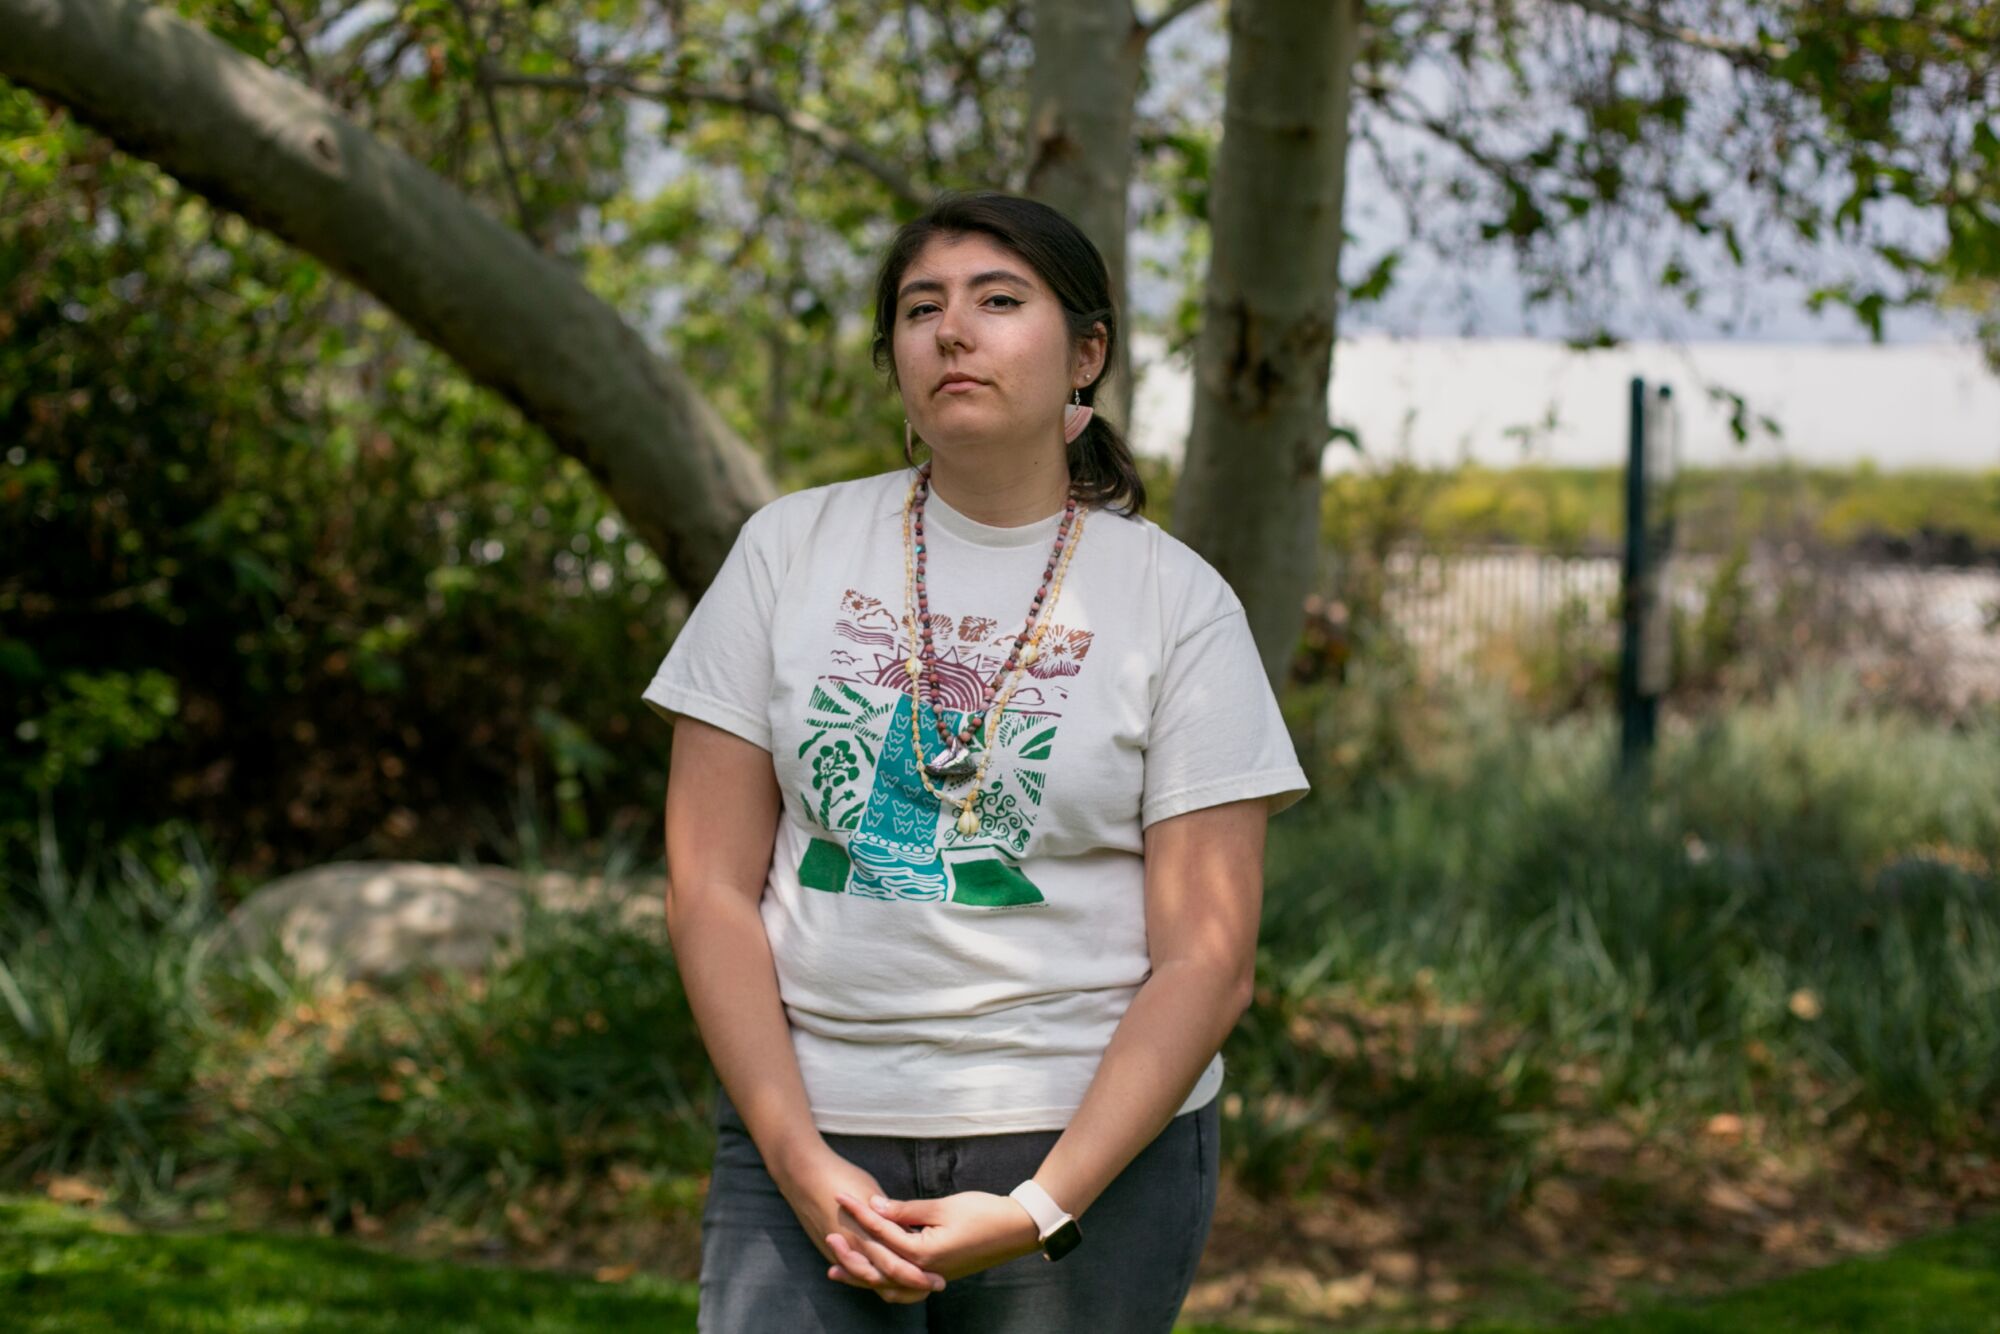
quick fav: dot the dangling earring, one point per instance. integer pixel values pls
(1076, 416)
(909, 445)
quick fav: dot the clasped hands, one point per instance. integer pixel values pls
(904, 1250)
(945, 1238)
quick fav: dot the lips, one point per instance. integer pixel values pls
(950, 380)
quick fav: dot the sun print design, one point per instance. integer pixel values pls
(880, 834)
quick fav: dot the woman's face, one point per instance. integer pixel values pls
(967, 307)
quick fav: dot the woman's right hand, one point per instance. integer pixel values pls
(810, 1187)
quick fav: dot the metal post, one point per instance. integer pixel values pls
(1635, 710)
(1655, 628)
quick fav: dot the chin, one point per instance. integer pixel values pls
(958, 439)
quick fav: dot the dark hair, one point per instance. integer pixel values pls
(1101, 469)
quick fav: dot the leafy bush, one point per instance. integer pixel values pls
(1797, 915)
(319, 595)
(134, 1051)
(454, 1096)
(102, 1026)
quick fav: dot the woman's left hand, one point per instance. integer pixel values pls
(953, 1235)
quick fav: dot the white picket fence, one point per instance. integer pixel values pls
(1453, 606)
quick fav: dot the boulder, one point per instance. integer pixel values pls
(379, 921)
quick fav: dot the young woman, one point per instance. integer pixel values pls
(965, 838)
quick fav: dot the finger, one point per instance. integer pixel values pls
(887, 1254)
(864, 1266)
(908, 1214)
(885, 1230)
(853, 1260)
(899, 1268)
(840, 1275)
(856, 1263)
(891, 1262)
(880, 1205)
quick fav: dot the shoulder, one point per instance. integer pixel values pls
(781, 526)
(1192, 592)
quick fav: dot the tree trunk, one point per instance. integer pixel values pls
(1081, 100)
(1248, 497)
(253, 140)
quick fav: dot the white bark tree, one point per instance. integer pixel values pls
(1248, 496)
(259, 142)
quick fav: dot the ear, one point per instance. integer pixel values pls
(1090, 355)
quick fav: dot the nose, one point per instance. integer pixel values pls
(948, 332)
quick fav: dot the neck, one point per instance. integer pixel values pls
(1003, 490)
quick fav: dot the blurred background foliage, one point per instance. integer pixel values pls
(279, 586)
(311, 592)
(324, 597)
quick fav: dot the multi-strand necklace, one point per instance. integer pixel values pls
(956, 761)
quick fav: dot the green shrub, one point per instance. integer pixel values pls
(102, 1026)
(1798, 915)
(134, 1051)
(455, 1095)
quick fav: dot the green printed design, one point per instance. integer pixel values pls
(824, 867)
(896, 832)
(992, 883)
(877, 829)
(846, 726)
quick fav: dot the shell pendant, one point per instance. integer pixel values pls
(968, 822)
(953, 762)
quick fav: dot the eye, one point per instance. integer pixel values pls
(923, 306)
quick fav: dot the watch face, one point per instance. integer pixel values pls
(1062, 1241)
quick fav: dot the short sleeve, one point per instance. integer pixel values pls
(719, 667)
(1217, 735)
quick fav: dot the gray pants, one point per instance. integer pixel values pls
(761, 1273)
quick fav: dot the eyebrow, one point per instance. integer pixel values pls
(977, 279)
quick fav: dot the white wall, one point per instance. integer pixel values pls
(1901, 405)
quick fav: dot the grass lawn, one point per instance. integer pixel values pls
(58, 1271)
(62, 1270)
(1948, 1283)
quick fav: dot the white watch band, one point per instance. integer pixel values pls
(1047, 1214)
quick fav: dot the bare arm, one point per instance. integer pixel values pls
(722, 821)
(722, 818)
(1204, 895)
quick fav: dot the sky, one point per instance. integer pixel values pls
(1453, 364)
(1504, 402)
(1482, 296)
(1478, 296)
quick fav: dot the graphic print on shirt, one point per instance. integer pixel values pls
(887, 836)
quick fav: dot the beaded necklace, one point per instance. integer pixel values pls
(955, 761)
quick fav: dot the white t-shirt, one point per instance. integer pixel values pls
(938, 984)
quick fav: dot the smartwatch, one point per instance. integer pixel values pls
(1058, 1231)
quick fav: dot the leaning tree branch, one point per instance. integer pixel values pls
(255, 140)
